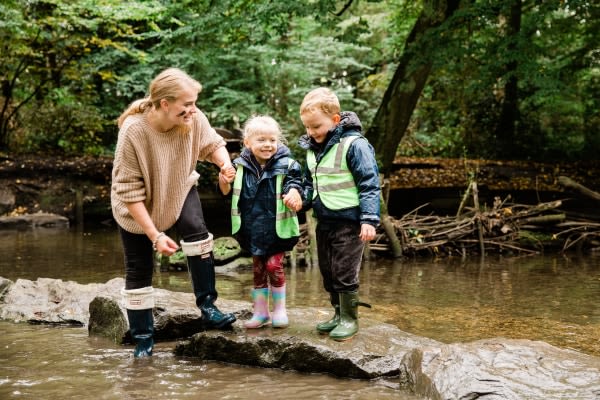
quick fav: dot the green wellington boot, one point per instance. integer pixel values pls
(328, 326)
(348, 325)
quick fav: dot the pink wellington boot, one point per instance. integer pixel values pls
(280, 318)
(260, 297)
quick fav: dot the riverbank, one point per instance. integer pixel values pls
(79, 187)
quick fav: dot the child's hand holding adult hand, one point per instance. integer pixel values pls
(227, 173)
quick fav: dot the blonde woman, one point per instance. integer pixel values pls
(161, 138)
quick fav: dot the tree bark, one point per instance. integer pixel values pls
(400, 98)
(509, 115)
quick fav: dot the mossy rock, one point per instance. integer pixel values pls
(226, 249)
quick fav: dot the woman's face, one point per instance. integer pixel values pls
(182, 110)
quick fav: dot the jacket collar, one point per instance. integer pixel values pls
(278, 161)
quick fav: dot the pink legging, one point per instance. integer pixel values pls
(268, 268)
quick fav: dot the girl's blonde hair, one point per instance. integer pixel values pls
(168, 85)
(320, 99)
(262, 124)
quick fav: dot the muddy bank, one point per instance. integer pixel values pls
(79, 187)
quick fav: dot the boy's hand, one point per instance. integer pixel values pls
(292, 200)
(367, 232)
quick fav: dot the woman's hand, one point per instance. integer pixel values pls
(227, 173)
(164, 245)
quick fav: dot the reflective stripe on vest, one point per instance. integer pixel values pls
(286, 221)
(332, 180)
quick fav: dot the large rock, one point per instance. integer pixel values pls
(376, 352)
(52, 301)
(501, 369)
(485, 369)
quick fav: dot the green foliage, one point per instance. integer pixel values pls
(71, 66)
(556, 65)
(58, 57)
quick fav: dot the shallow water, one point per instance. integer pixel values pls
(549, 298)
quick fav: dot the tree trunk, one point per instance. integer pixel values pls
(505, 129)
(403, 92)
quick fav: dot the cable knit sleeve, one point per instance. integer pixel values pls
(127, 181)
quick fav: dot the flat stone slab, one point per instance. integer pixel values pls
(374, 353)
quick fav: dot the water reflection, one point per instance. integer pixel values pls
(549, 298)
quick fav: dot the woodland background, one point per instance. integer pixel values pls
(506, 79)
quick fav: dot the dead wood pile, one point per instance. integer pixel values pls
(505, 228)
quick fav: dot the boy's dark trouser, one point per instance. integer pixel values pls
(340, 254)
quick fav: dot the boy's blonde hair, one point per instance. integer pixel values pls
(320, 99)
(168, 85)
(262, 124)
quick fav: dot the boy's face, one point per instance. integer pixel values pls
(317, 124)
(262, 145)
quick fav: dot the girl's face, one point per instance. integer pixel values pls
(263, 145)
(317, 124)
(180, 111)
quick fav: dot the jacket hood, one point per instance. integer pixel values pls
(349, 121)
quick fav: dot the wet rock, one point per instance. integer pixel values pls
(488, 369)
(501, 368)
(37, 220)
(376, 352)
(52, 301)
(107, 319)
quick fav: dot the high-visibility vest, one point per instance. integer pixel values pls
(286, 220)
(332, 180)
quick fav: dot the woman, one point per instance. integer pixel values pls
(161, 138)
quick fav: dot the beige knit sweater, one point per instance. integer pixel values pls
(158, 168)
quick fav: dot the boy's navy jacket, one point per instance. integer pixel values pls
(257, 201)
(363, 166)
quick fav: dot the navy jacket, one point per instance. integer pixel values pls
(257, 234)
(363, 166)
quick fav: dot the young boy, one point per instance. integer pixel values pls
(343, 185)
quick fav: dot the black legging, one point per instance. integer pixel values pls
(139, 261)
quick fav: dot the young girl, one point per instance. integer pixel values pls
(266, 196)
